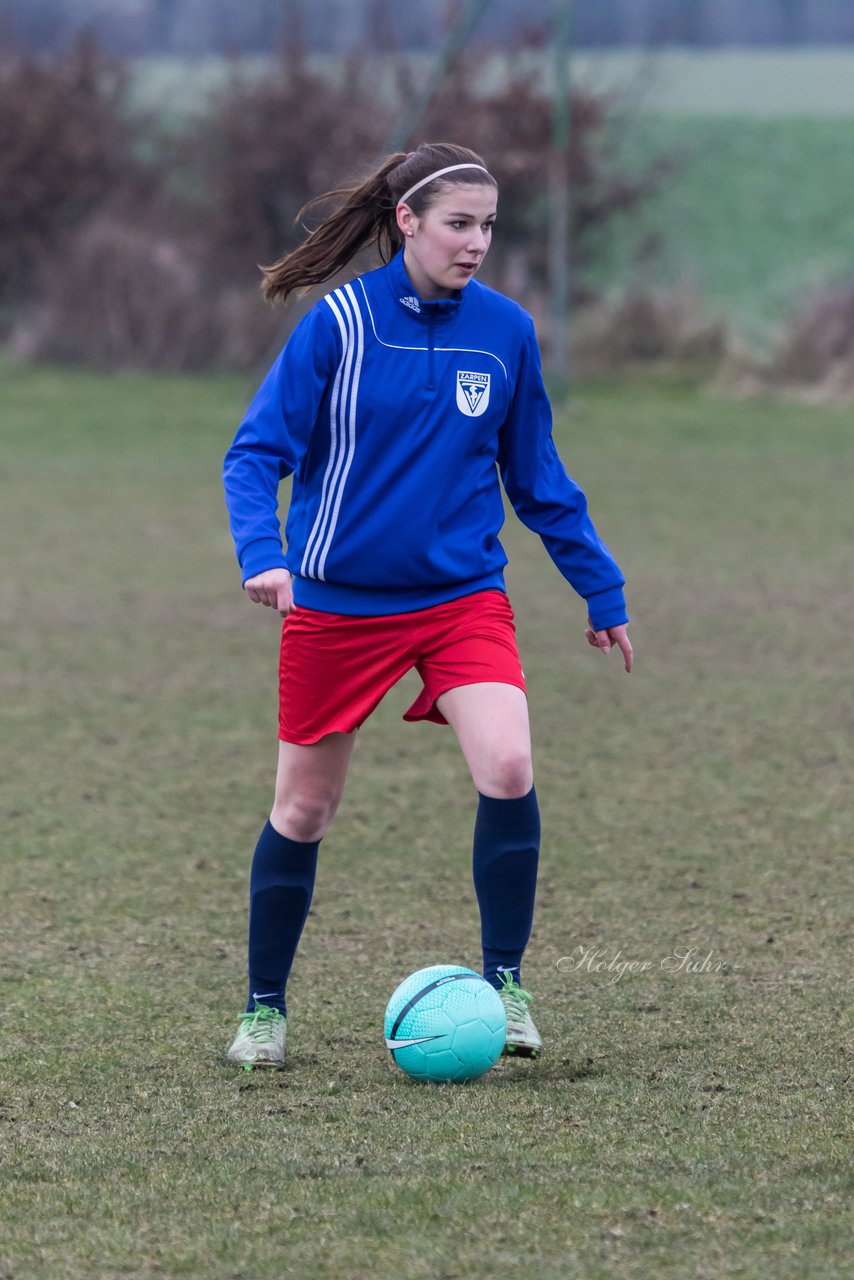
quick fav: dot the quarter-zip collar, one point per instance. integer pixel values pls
(427, 312)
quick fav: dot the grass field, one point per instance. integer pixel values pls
(754, 213)
(680, 1124)
(756, 83)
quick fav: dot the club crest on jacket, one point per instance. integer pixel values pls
(472, 393)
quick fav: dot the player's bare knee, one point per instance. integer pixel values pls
(304, 818)
(510, 775)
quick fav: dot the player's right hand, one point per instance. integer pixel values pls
(273, 588)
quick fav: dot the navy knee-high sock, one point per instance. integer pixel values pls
(506, 853)
(280, 888)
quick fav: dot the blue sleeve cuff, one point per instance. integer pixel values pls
(607, 609)
(265, 553)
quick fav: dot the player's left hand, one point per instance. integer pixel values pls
(611, 638)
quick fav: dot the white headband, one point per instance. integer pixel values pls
(438, 174)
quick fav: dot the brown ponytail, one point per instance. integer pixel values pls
(368, 215)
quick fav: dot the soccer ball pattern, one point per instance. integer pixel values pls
(445, 1023)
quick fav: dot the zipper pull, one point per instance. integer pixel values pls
(431, 377)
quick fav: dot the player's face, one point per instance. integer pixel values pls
(449, 240)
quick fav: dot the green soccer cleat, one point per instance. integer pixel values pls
(260, 1039)
(523, 1038)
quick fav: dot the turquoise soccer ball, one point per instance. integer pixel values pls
(445, 1023)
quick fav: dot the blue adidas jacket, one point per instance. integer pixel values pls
(392, 414)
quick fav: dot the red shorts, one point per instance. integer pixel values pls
(335, 669)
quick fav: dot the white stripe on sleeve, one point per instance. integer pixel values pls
(350, 428)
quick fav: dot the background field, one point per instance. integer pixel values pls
(724, 82)
(679, 1125)
(754, 215)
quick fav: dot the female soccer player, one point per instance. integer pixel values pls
(395, 403)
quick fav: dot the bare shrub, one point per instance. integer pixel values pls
(814, 361)
(63, 147)
(819, 342)
(270, 144)
(647, 326)
(134, 297)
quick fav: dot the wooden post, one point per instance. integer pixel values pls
(559, 196)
